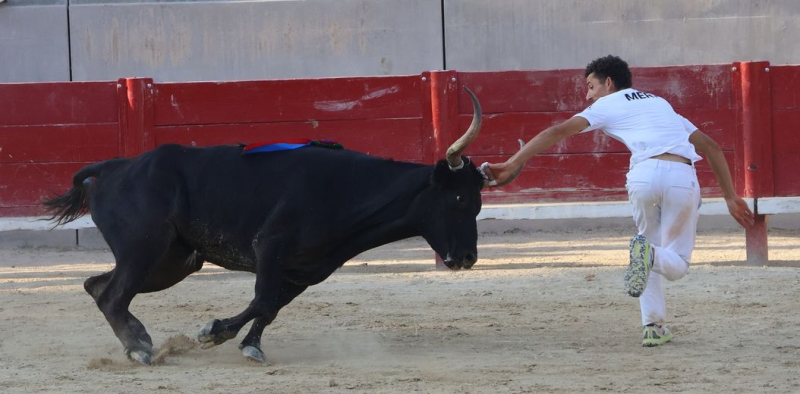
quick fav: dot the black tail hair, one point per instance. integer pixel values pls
(74, 203)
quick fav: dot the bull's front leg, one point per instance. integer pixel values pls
(267, 289)
(251, 345)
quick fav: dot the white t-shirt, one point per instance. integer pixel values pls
(644, 122)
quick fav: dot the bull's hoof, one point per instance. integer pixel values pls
(213, 334)
(140, 356)
(254, 353)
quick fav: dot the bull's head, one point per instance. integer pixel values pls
(451, 205)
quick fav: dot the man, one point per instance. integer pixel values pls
(662, 183)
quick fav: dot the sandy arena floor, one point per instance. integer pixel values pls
(542, 312)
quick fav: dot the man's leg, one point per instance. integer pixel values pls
(652, 303)
(673, 251)
(679, 213)
(644, 192)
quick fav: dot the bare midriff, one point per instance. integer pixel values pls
(671, 157)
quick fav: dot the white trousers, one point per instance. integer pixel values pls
(665, 197)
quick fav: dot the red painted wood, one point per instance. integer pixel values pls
(58, 143)
(785, 87)
(400, 139)
(565, 90)
(719, 124)
(444, 110)
(21, 211)
(287, 100)
(786, 151)
(27, 184)
(57, 103)
(525, 91)
(708, 182)
(135, 99)
(688, 87)
(427, 137)
(754, 101)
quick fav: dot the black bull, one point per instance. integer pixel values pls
(290, 217)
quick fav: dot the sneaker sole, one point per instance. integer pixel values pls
(657, 342)
(638, 271)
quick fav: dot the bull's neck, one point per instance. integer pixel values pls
(391, 220)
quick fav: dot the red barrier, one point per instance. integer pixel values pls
(754, 115)
(785, 83)
(47, 132)
(50, 130)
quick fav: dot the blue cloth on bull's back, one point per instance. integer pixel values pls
(288, 144)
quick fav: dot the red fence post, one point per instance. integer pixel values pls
(136, 117)
(443, 117)
(444, 111)
(752, 87)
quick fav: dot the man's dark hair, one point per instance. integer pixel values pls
(613, 67)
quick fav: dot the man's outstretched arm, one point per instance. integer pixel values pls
(500, 173)
(736, 205)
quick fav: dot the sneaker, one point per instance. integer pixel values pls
(639, 268)
(655, 335)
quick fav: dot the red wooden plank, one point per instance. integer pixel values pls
(702, 86)
(785, 87)
(444, 110)
(428, 142)
(786, 152)
(400, 139)
(287, 100)
(27, 184)
(135, 106)
(719, 124)
(753, 97)
(58, 103)
(565, 90)
(708, 182)
(525, 91)
(65, 143)
(21, 211)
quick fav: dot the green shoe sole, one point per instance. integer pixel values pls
(652, 337)
(639, 268)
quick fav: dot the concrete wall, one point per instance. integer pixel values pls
(174, 40)
(34, 45)
(553, 34)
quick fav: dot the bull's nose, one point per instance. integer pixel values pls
(470, 260)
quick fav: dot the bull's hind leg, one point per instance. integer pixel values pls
(251, 345)
(96, 284)
(178, 263)
(137, 255)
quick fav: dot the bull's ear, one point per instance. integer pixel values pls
(442, 175)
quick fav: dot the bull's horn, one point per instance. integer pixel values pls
(458, 147)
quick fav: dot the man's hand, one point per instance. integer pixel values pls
(502, 173)
(740, 211)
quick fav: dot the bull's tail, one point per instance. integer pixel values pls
(74, 203)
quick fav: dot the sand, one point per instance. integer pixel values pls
(541, 312)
